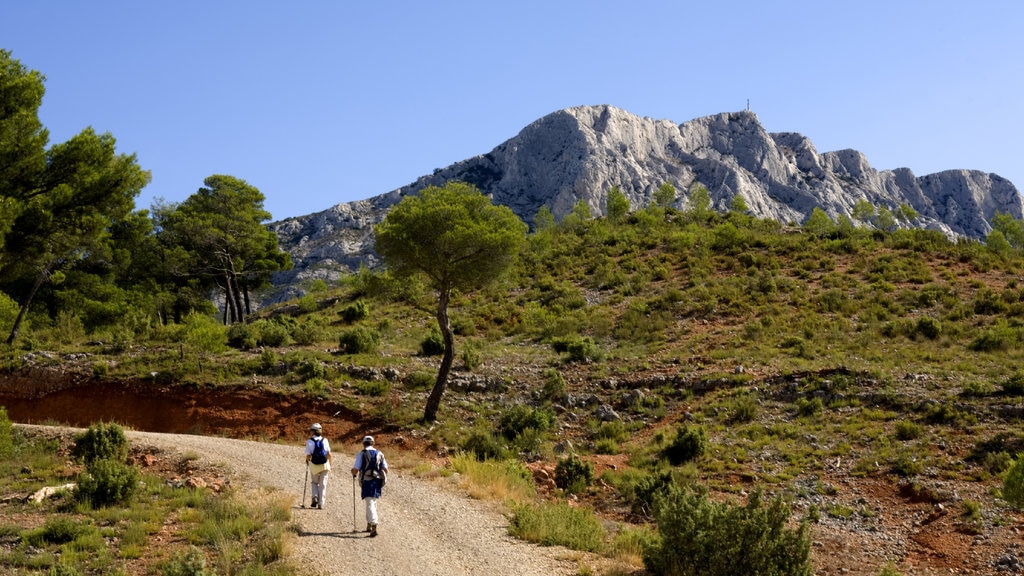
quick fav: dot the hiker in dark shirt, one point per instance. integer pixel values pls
(371, 468)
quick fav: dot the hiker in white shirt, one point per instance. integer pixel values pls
(318, 459)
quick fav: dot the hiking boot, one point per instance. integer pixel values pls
(373, 530)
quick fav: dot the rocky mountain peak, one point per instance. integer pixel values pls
(579, 154)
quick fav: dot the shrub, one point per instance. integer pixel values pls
(309, 369)
(928, 327)
(907, 465)
(242, 336)
(316, 387)
(689, 444)
(308, 332)
(308, 304)
(743, 409)
(273, 334)
(615, 431)
(907, 430)
(641, 491)
(812, 407)
(579, 349)
(1014, 385)
(358, 340)
(432, 344)
(101, 442)
(107, 482)
(573, 474)
(56, 530)
(701, 537)
(419, 381)
(584, 350)
(355, 311)
(471, 358)
(373, 387)
(1013, 483)
(554, 388)
(520, 418)
(484, 445)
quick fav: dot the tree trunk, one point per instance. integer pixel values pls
(44, 275)
(443, 322)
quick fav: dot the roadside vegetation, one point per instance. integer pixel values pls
(106, 515)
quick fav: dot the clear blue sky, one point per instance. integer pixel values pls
(325, 101)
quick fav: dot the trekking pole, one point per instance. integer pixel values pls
(353, 504)
(305, 482)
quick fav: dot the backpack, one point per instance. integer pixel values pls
(372, 469)
(319, 455)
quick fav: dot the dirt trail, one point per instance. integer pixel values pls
(426, 529)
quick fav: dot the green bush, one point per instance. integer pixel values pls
(107, 482)
(908, 430)
(242, 336)
(355, 311)
(310, 368)
(101, 442)
(471, 358)
(373, 387)
(273, 334)
(308, 332)
(1013, 483)
(743, 409)
(579, 349)
(419, 381)
(554, 388)
(702, 537)
(308, 304)
(1014, 384)
(641, 491)
(573, 474)
(432, 344)
(358, 340)
(484, 446)
(519, 418)
(56, 530)
(689, 444)
(812, 407)
(585, 351)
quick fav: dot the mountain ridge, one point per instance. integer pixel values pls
(579, 153)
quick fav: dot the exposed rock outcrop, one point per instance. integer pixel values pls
(581, 153)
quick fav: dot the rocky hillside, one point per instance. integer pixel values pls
(580, 153)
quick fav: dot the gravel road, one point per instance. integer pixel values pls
(425, 528)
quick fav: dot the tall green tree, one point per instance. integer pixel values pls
(665, 195)
(617, 205)
(86, 186)
(218, 235)
(23, 141)
(700, 201)
(1011, 229)
(458, 240)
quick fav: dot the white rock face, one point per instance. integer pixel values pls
(581, 153)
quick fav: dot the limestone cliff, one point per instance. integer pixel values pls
(580, 153)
